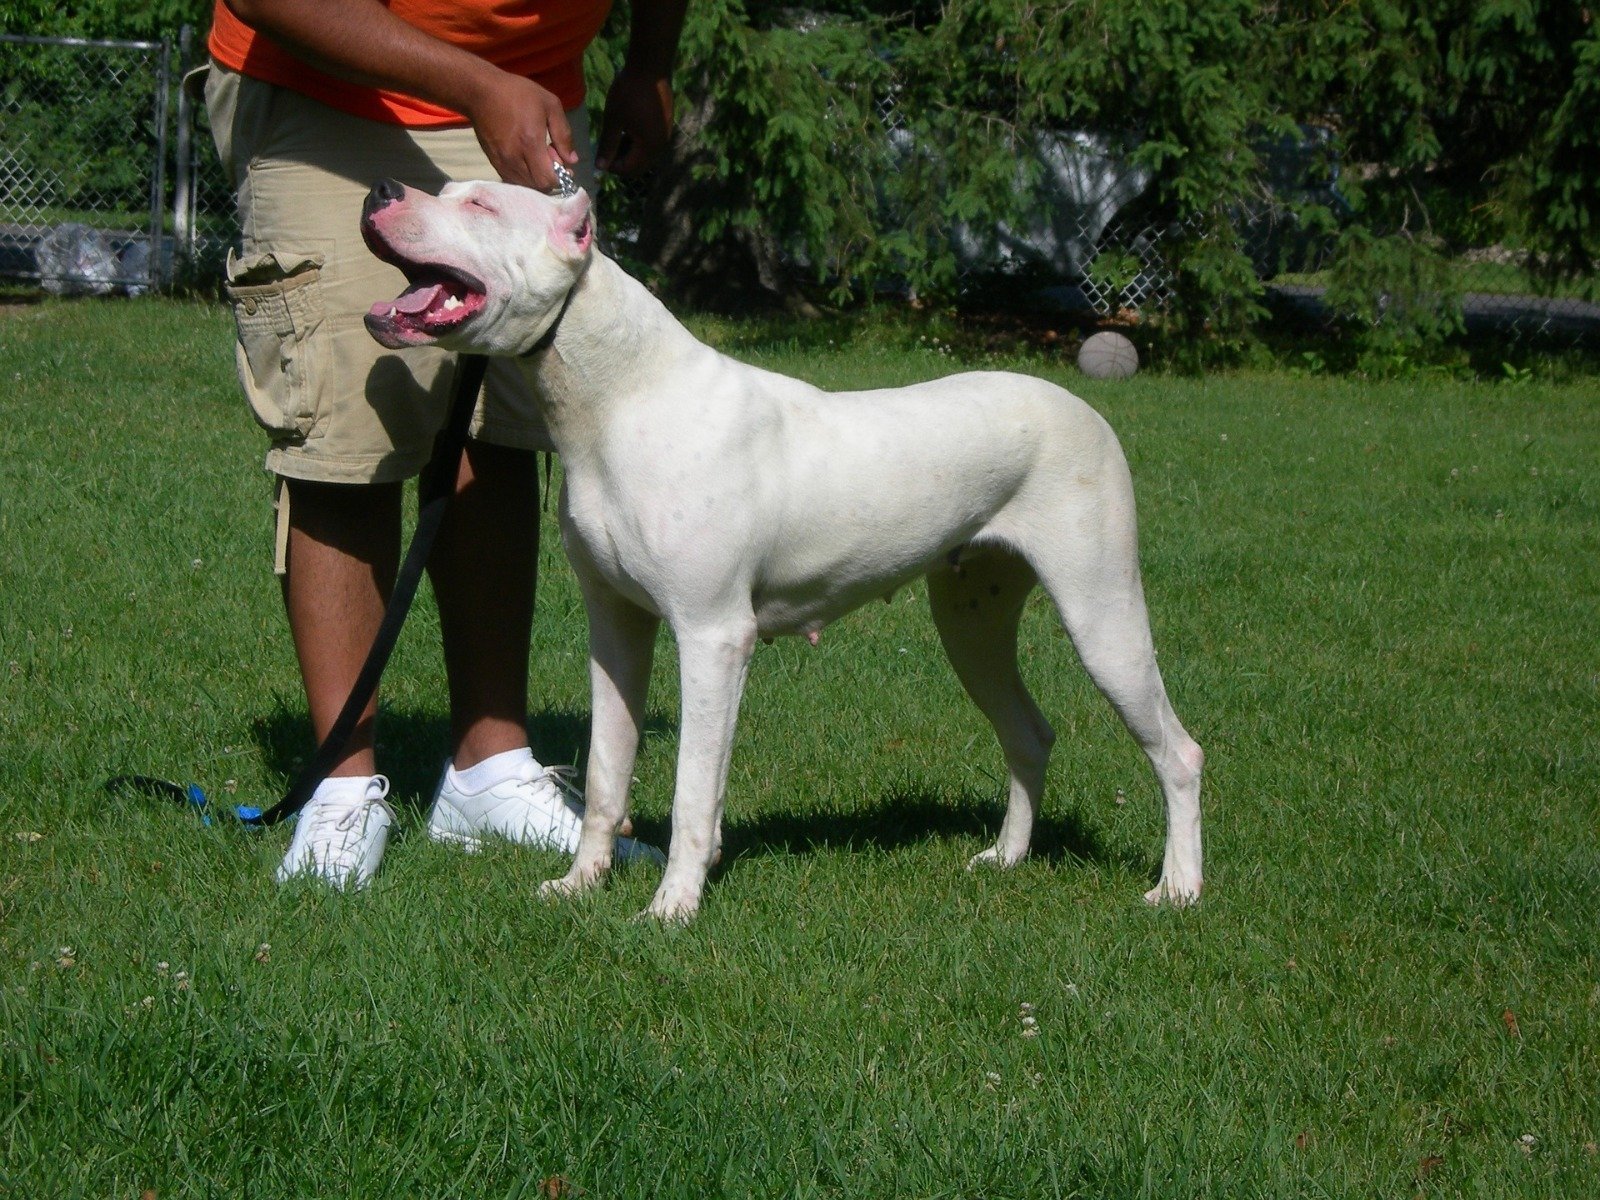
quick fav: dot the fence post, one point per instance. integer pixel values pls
(183, 177)
(157, 273)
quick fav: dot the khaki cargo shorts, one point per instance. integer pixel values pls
(338, 407)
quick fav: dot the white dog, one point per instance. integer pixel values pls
(738, 504)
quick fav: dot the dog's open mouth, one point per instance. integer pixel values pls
(437, 300)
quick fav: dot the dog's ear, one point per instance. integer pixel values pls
(572, 230)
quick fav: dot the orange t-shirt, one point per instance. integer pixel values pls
(543, 40)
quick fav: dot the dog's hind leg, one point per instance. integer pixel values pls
(1095, 584)
(976, 607)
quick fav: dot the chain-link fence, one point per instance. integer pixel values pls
(83, 163)
(109, 181)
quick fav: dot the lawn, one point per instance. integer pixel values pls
(1377, 606)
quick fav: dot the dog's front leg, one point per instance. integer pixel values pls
(622, 640)
(713, 662)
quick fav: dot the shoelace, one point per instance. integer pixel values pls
(565, 780)
(343, 816)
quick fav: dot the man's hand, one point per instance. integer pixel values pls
(520, 126)
(637, 126)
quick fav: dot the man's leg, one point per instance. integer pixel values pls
(342, 555)
(482, 570)
(344, 549)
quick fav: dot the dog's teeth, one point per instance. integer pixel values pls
(451, 302)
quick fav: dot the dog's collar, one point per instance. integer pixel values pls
(548, 337)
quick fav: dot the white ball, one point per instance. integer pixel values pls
(1108, 355)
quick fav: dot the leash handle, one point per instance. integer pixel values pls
(435, 487)
(187, 795)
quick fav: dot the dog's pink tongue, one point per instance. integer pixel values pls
(419, 299)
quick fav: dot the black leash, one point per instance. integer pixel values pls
(434, 490)
(435, 487)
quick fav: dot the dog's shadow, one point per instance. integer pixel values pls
(909, 816)
(412, 747)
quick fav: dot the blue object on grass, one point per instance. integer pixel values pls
(190, 795)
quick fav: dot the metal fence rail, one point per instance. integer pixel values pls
(109, 181)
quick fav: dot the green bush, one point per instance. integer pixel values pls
(149, 20)
(1450, 123)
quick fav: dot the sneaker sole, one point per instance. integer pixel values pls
(449, 837)
(472, 843)
(628, 850)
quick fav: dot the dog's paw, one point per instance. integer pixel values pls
(989, 858)
(573, 883)
(995, 857)
(1180, 893)
(558, 889)
(671, 908)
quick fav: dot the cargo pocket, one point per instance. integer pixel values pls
(277, 306)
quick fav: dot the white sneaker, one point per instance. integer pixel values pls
(538, 806)
(340, 838)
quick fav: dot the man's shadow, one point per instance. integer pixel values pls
(412, 747)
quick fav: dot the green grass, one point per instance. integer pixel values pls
(1377, 608)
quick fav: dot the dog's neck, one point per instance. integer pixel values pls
(596, 360)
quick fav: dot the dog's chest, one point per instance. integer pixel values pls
(654, 545)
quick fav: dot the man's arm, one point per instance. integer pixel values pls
(515, 119)
(638, 117)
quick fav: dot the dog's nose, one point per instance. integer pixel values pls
(384, 193)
